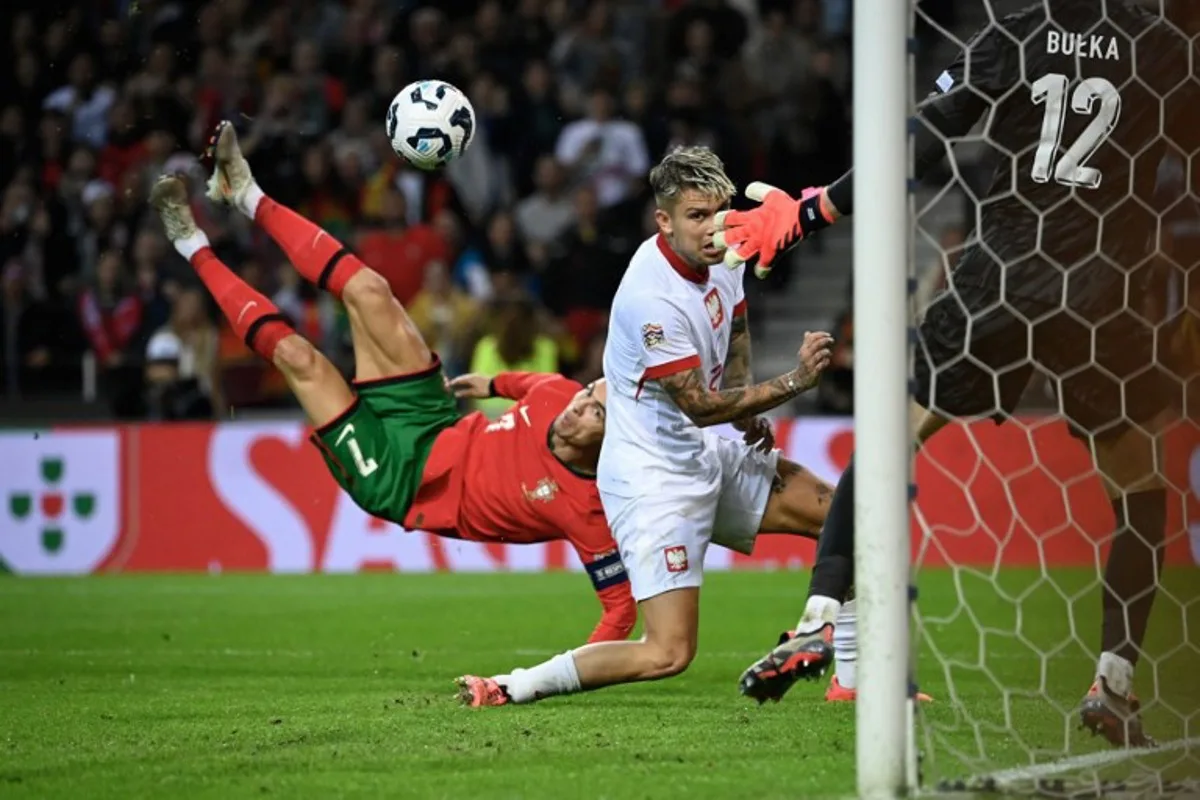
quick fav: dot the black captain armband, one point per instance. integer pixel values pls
(606, 571)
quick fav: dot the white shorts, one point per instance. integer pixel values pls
(663, 536)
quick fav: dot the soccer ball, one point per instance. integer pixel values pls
(430, 123)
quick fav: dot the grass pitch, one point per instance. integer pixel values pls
(341, 686)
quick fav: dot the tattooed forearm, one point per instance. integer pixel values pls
(737, 362)
(706, 407)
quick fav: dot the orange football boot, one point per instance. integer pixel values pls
(836, 693)
(479, 692)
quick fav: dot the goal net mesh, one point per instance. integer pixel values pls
(1013, 525)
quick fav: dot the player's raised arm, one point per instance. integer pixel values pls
(669, 358)
(964, 91)
(983, 72)
(704, 406)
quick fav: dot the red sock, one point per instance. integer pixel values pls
(254, 318)
(317, 256)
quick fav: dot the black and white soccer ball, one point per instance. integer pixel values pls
(430, 123)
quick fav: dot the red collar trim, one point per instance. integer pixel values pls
(677, 263)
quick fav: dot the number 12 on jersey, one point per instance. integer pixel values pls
(1071, 169)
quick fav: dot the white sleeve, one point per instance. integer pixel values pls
(666, 341)
(163, 346)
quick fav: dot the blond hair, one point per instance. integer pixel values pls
(684, 168)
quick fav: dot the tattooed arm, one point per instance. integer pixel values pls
(737, 362)
(706, 407)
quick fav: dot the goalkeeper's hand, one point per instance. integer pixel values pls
(772, 228)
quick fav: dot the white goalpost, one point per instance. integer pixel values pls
(881, 427)
(1015, 530)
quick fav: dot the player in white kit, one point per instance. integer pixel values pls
(677, 360)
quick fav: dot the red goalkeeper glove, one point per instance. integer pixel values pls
(772, 228)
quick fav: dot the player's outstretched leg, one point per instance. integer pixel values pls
(317, 384)
(671, 621)
(377, 448)
(386, 342)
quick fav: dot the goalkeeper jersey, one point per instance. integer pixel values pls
(1079, 108)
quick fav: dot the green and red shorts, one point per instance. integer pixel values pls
(377, 448)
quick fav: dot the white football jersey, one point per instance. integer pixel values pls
(665, 319)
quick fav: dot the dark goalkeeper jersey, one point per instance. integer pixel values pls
(1080, 107)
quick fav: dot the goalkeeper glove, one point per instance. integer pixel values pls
(773, 227)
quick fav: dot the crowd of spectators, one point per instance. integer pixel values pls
(508, 259)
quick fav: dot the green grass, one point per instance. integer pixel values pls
(337, 686)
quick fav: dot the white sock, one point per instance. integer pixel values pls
(250, 200)
(845, 646)
(191, 245)
(553, 677)
(1117, 673)
(818, 612)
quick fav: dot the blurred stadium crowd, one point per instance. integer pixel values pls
(507, 260)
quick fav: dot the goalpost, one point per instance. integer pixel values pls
(881, 254)
(1006, 645)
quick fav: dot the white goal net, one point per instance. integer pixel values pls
(1013, 524)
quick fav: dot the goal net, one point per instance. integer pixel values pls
(1013, 524)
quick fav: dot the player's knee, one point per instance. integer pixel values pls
(669, 658)
(297, 357)
(367, 291)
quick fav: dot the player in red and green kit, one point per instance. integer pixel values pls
(393, 438)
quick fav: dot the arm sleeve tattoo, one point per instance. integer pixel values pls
(707, 407)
